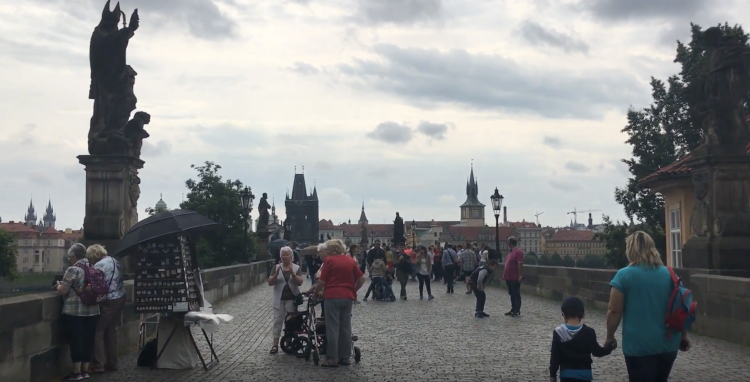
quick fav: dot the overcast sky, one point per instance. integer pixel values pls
(386, 101)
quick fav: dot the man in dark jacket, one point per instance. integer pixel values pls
(375, 253)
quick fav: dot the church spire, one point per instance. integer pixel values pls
(49, 216)
(362, 216)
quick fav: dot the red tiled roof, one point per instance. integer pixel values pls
(522, 224)
(677, 168)
(17, 228)
(326, 224)
(571, 235)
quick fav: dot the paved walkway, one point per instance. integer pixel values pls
(436, 340)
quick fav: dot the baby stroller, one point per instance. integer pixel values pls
(316, 337)
(295, 339)
(383, 291)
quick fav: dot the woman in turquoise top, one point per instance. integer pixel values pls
(639, 298)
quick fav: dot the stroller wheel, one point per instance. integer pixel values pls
(357, 354)
(308, 350)
(315, 357)
(287, 344)
(300, 346)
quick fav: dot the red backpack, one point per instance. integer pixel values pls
(95, 287)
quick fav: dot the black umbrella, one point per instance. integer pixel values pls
(163, 224)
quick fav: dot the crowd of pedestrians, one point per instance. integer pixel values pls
(91, 321)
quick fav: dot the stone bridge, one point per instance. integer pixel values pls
(421, 340)
(416, 340)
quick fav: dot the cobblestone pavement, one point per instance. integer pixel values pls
(436, 340)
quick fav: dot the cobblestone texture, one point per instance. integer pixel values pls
(436, 340)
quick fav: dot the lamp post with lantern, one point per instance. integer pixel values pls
(497, 205)
(413, 235)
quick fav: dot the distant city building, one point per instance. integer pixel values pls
(302, 211)
(161, 205)
(574, 243)
(529, 236)
(41, 248)
(472, 210)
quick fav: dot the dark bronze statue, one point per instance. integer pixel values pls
(398, 230)
(721, 88)
(364, 233)
(263, 208)
(112, 81)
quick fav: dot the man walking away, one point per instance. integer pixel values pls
(403, 269)
(468, 260)
(478, 280)
(450, 259)
(513, 276)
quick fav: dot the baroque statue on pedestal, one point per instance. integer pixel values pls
(263, 217)
(112, 81)
(722, 87)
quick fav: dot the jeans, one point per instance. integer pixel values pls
(437, 270)
(514, 290)
(481, 299)
(424, 280)
(105, 342)
(448, 271)
(650, 368)
(413, 271)
(82, 331)
(338, 329)
(402, 278)
(377, 282)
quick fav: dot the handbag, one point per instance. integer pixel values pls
(297, 301)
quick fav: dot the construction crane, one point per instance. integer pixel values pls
(575, 213)
(537, 217)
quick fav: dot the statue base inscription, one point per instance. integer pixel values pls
(112, 192)
(720, 221)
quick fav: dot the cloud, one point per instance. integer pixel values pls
(160, 148)
(377, 204)
(428, 78)
(391, 132)
(398, 12)
(304, 68)
(433, 130)
(447, 199)
(40, 177)
(563, 185)
(537, 35)
(617, 10)
(577, 167)
(333, 195)
(323, 165)
(552, 141)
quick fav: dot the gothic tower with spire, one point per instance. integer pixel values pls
(49, 216)
(302, 211)
(472, 211)
(362, 216)
(30, 217)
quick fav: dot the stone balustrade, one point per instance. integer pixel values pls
(723, 301)
(33, 347)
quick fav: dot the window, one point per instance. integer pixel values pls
(25, 269)
(25, 260)
(675, 235)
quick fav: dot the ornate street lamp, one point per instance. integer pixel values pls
(413, 235)
(497, 205)
(246, 203)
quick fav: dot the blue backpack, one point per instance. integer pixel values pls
(682, 310)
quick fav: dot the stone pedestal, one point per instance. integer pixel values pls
(262, 247)
(720, 220)
(112, 192)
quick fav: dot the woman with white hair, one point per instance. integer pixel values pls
(286, 279)
(639, 297)
(341, 278)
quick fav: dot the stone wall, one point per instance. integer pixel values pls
(34, 349)
(723, 301)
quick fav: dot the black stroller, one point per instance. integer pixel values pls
(316, 336)
(295, 340)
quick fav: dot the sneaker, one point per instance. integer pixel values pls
(431, 297)
(421, 297)
(484, 314)
(85, 376)
(73, 377)
(478, 315)
(516, 314)
(468, 292)
(364, 299)
(509, 313)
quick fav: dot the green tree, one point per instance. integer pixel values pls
(568, 262)
(219, 200)
(667, 130)
(556, 260)
(531, 259)
(544, 260)
(592, 261)
(8, 256)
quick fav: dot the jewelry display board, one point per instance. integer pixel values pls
(166, 280)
